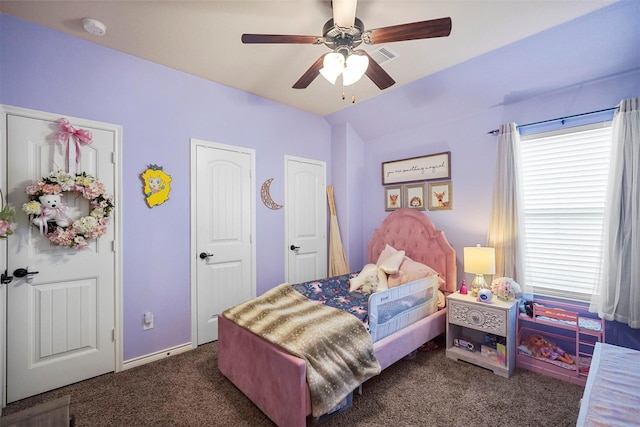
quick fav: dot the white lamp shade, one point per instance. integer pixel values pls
(480, 260)
(357, 65)
(332, 66)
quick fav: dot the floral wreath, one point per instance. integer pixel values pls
(7, 223)
(79, 231)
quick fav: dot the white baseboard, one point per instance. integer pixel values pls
(143, 360)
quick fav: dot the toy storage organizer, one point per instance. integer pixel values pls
(568, 326)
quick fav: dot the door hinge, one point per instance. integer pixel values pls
(113, 157)
(113, 335)
(113, 246)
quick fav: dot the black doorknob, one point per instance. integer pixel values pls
(205, 255)
(21, 272)
(5, 279)
(294, 247)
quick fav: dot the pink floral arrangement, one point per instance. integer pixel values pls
(505, 288)
(83, 229)
(7, 223)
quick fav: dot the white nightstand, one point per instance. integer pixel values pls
(470, 321)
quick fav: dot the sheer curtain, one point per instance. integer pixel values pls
(617, 293)
(506, 230)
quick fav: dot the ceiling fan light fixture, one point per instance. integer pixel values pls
(357, 64)
(332, 66)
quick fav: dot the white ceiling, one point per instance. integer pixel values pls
(203, 37)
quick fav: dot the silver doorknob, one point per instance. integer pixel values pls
(205, 255)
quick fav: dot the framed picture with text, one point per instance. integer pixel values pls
(424, 168)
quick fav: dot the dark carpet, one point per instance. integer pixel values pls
(429, 390)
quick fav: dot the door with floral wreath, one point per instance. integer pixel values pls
(61, 302)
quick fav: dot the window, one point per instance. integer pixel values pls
(564, 186)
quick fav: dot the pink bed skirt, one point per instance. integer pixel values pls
(275, 381)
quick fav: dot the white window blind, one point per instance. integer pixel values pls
(564, 186)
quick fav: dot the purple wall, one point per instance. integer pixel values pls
(585, 65)
(348, 177)
(160, 109)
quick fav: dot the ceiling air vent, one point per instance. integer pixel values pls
(383, 54)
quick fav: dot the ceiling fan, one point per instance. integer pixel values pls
(342, 34)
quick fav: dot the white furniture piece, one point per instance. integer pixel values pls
(611, 395)
(468, 323)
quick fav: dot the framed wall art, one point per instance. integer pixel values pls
(424, 168)
(440, 196)
(392, 198)
(415, 196)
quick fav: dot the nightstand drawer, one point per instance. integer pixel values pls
(478, 316)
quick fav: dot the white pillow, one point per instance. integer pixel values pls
(391, 264)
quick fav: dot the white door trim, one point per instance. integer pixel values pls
(117, 223)
(287, 240)
(194, 250)
(3, 267)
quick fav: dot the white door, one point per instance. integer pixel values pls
(222, 201)
(306, 219)
(60, 327)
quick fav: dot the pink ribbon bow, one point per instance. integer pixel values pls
(81, 137)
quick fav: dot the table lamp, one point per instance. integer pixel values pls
(479, 261)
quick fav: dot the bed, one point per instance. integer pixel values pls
(611, 396)
(276, 381)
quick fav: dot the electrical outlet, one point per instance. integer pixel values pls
(147, 321)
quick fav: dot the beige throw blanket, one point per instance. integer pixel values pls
(335, 344)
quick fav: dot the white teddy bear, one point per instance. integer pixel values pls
(367, 280)
(53, 210)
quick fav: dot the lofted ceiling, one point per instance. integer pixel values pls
(203, 37)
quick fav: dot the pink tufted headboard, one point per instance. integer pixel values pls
(412, 231)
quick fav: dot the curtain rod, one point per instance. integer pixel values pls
(496, 131)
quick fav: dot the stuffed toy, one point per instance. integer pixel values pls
(366, 281)
(53, 209)
(540, 347)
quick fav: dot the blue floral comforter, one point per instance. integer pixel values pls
(334, 292)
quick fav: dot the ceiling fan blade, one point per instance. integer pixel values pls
(309, 75)
(344, 12)
(416, 30)
(280, 38)
(378, 75)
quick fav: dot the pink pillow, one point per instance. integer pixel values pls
(411, 270)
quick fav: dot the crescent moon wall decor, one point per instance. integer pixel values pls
(265, 195)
